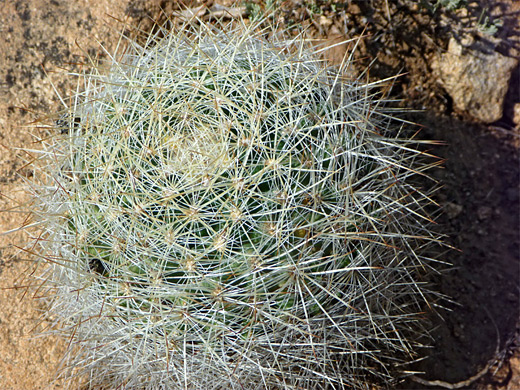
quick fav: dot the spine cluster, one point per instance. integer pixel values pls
(225, 211)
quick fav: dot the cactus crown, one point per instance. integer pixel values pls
(224, 210)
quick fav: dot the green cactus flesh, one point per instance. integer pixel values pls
(232, 213)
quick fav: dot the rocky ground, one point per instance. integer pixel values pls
(459, 66)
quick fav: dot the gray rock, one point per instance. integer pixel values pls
(477, 81)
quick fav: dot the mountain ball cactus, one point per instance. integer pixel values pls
(222, 210)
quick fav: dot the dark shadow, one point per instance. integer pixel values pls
(481, 218)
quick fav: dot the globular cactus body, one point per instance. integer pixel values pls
(225, 211)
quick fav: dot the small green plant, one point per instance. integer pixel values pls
(254, 11)
(257, 12)
(488, 26)
(222, 210)
(313, 8)
(450, 5)
(485, 23)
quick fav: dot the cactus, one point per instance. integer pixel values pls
(223, 210)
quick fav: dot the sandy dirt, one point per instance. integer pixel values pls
(40, 41)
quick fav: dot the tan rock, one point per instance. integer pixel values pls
(516, 115)
(476, 81)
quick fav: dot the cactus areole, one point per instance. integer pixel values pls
(223, 210)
